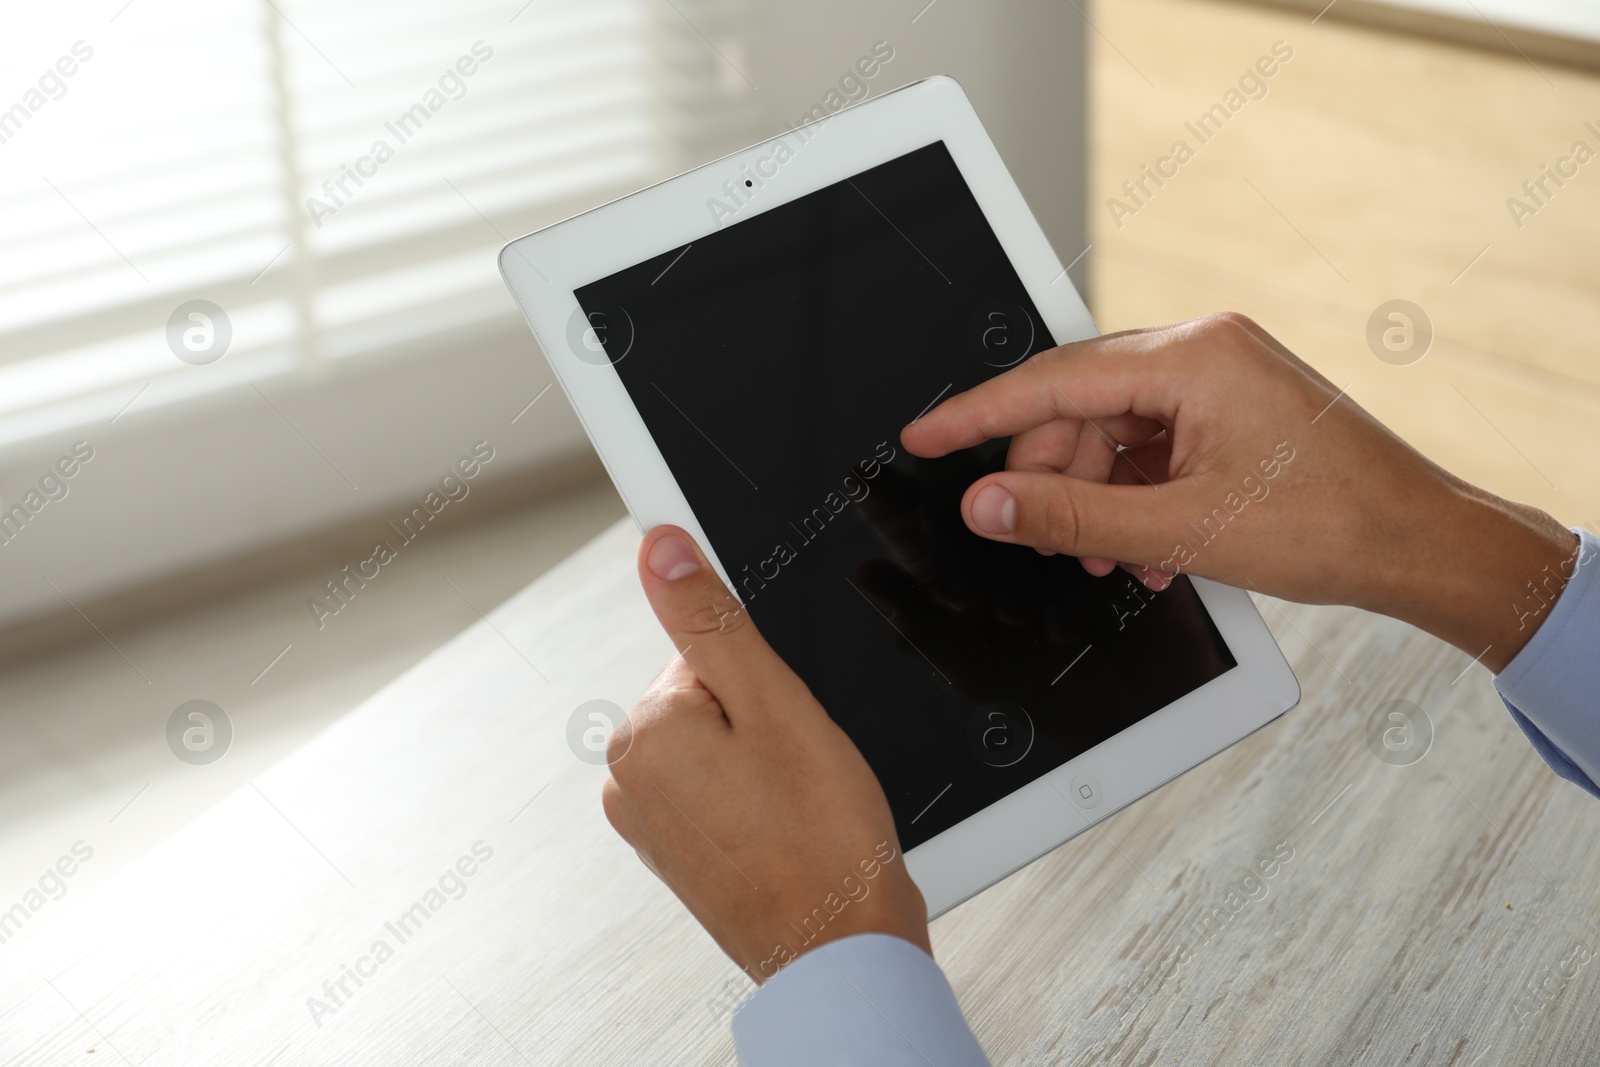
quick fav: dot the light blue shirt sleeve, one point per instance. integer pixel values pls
(871, 1000)
(1552, 687)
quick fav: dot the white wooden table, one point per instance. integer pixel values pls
(1424, 918)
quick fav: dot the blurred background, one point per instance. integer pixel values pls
(158, 153)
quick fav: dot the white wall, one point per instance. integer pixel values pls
(1020, 61)
(1559, 18)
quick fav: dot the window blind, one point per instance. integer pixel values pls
(335, 175)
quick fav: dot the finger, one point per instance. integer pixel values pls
(677, 693)
(1095, 457)
(1145, 464)
(1096, 379)
(1101, 455)
(674, 674)
(1154, 578)
(668, 675)
(618, 812)
(1044, 448)
(1089, 454)
(710, 629)
(1096, 461)
(1055, 445)
(1080, 518)
(649, 863)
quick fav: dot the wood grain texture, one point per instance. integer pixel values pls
(1378, 165)
(1386, 939)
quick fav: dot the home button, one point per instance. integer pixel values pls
(1085, 791)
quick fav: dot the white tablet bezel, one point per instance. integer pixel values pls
(544, 269)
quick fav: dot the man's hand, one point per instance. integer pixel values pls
(1208, 447)
(739, 792)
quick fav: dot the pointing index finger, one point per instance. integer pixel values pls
(1099, 378)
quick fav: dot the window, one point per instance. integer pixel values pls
(1579, 19)
(155, 153)
(333, 175)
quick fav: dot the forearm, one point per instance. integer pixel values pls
(1485, 573)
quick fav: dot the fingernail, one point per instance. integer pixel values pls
(672, 558)
(994, 510)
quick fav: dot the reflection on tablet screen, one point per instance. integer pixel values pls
(775, 362)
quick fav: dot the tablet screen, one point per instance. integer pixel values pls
(775, 362)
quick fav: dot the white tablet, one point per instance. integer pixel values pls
(744, 343)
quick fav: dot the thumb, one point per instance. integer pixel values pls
(708, 627)
(1132, 523)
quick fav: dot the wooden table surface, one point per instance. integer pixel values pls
(1437, 913)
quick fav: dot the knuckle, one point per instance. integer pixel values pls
(1063, 521)
(1228, 327)
(614, 804)
(719, 616)
(656, 728)
(1233, 321)
(675, 674)
(621, 742)
(1042, 363)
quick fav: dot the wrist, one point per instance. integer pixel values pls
(902, 915)
(1483, 574)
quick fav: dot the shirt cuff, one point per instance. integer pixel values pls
(1552, 687)
(867, 999)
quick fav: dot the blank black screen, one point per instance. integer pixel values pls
(775, 362)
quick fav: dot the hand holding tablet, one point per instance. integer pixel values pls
(805, 847)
